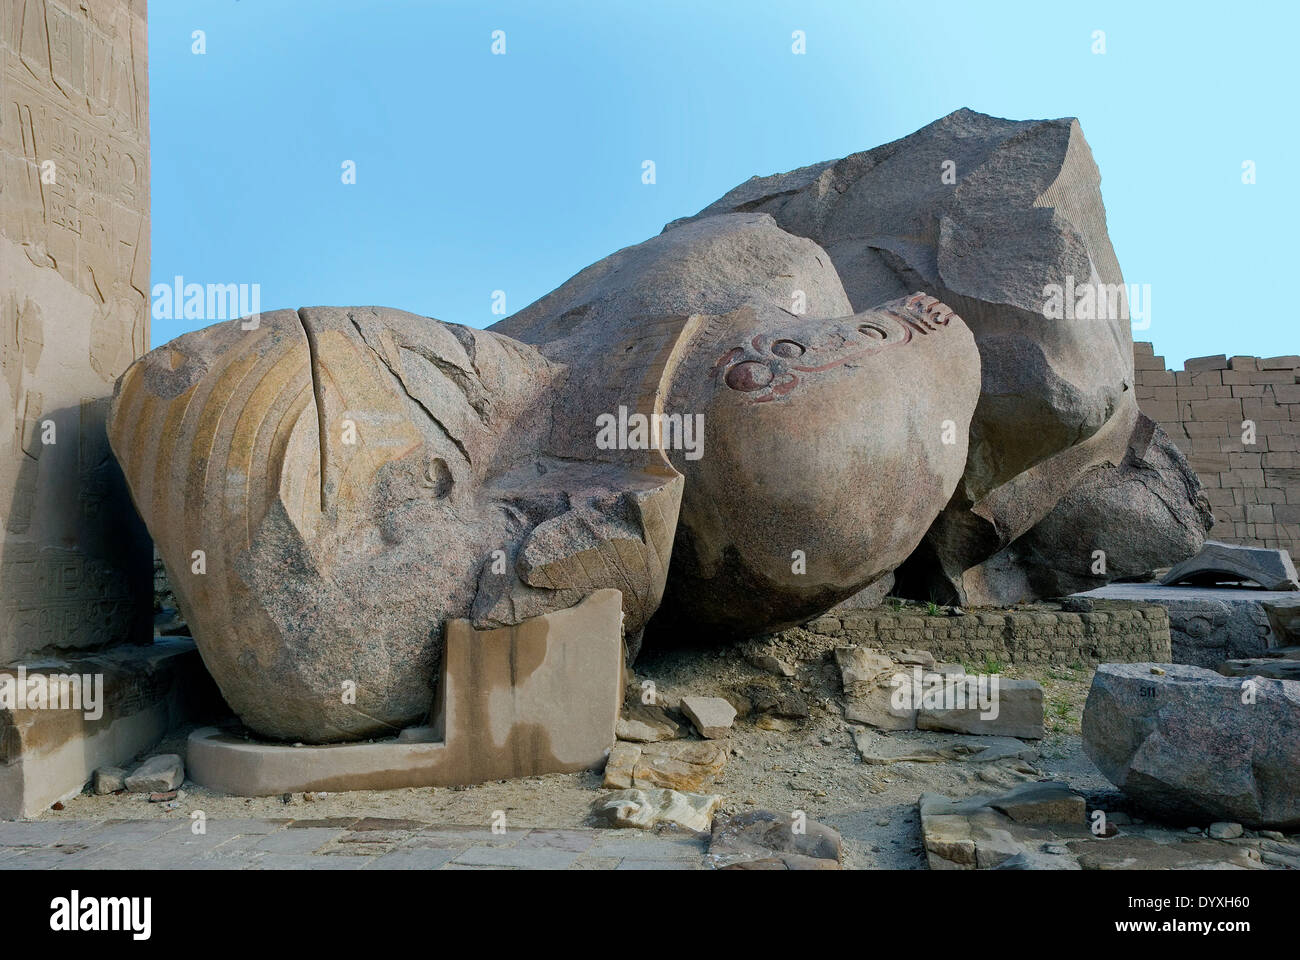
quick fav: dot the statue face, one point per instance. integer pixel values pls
(776, 360)
(328, 466)
(819, 437)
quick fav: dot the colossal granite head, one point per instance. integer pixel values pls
(710, 422)
(829, 445)
(1003, 220)
(329, 486)
(315, 487)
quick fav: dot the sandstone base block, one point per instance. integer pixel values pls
(540, 697)
(48, 755)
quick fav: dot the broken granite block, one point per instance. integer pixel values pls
(1230, 562)
(1184, 742)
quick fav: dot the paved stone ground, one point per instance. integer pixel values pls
(338, 844)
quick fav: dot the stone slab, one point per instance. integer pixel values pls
(49, 755)
(541, 697)
(1015, 711)
(1273, 668)
(1208, 625)
(1219, 562)
(711, 716)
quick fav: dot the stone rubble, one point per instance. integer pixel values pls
(711, 716)
(647, 723)
(685, 765)
(1043, 826)
(891, 694)
(109, 780)
(645, 809)
(159, 774)
(765, 840)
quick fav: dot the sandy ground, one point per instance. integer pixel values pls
(778, 764)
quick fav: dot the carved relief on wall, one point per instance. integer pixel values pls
(74, 282)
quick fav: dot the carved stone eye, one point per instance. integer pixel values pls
(873, 331)
(749, 376)
(788, 349)
(437, 477)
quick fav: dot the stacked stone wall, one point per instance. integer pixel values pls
(1111, 632)
(1237, 420)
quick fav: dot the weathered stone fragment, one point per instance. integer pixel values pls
(1144, 853)
(1225, 830)
(1014, 708)
(1231, 563)
(935, 747)
(158, 774)
(1016, 830)
(646, 808)
(642, 723)
(1187, 742)
(109, 780)
(871, 688)
(711, 716)
(1275, 668)
(770, 664)
(687, 765)
(1050, 802)
(764, 840)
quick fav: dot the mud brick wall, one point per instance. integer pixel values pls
(1112, 632)
(1253, 488)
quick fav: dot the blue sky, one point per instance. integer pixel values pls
(477, 173)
